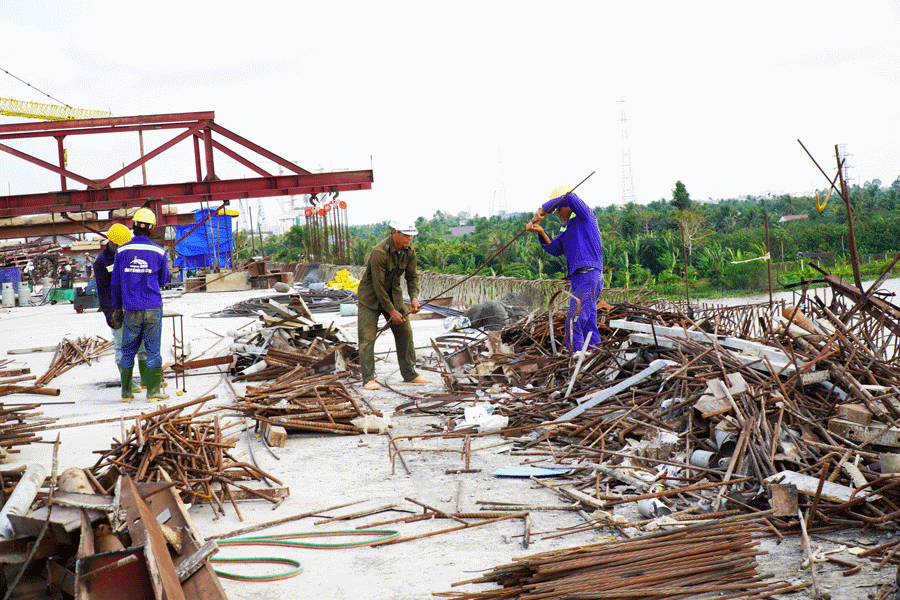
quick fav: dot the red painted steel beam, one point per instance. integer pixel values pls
(183, 193)
(12, 232)
(198, 126)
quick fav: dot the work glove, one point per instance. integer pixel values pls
(115, 321)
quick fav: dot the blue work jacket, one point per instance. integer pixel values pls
(579, 239)
(139, 273)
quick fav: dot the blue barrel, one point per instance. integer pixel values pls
(11, 275)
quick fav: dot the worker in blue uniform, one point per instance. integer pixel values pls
(579, 240)
(140, 271)
(117, 235)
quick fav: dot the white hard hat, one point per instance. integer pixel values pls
(404, 227)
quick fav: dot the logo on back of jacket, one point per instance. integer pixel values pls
(138, 265)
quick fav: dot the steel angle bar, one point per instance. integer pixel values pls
(602, 395)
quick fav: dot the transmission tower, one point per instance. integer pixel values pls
(627, 178)
(500, 195)
(842, 151)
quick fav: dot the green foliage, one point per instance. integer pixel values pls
(642, 241)
(681, 200)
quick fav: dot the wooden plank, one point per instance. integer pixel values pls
(275, 435)
(30, 350)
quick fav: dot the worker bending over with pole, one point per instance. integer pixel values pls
(379, 293)
(139, 273)
(117, 235)
(579, 240)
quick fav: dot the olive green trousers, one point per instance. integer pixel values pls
(367, 333)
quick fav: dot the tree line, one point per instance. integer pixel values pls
(660, 244)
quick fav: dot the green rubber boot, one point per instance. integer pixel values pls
(135, 385)
(154, 385)
(127, 384)
(142, 369)
(142, 366)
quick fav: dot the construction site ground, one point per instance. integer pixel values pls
(329, 470)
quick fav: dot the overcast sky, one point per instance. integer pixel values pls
(453, 104)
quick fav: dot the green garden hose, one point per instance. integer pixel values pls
(287, 540)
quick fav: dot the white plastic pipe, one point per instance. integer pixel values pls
(20, 500)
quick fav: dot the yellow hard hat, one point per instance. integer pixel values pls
(118, 234)
(561, 190)
(144, 215)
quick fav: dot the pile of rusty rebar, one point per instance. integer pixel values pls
(189, 447)
(18, 426)
(71, 353)
(683, 563)
(301, 400)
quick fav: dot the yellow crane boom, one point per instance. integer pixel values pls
(47, 112)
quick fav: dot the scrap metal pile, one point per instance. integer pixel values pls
(305, 368)
(315, 301)
(787, 413)
(71, 353)
(36, 260)
(682, 563)
(82, 541)
(192, 449)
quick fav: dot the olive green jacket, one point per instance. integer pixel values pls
(379, 288)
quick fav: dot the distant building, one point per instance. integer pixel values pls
(462, 230)
(787, 218)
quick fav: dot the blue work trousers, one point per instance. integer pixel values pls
(586, 287)
(142, 326)
(117, 337)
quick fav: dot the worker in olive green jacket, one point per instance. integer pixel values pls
(380, 294)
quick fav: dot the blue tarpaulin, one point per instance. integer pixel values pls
(209, 245)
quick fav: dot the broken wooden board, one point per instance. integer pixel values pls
(856, 432)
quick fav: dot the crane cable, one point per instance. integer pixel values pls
(34, 88)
